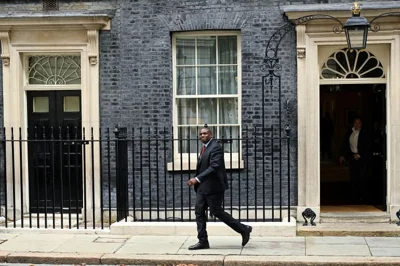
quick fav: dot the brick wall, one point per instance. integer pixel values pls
(136, 65)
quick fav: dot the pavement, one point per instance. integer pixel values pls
(92, 247)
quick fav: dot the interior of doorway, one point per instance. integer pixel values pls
(339, 105)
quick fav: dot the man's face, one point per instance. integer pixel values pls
(357, 124)
(205, 135)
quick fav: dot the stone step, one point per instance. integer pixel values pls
(349, 229)
(355, 217)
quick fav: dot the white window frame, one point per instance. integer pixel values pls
(189, 160)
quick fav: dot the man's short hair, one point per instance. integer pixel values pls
(207, 128)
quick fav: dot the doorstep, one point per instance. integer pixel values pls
(349, 229)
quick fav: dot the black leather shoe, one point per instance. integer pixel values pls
(246, 236)
(200, 245)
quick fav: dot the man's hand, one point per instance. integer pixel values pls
(357, 156)
(342, 159)
(192, 182)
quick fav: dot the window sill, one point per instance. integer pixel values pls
(185, 166)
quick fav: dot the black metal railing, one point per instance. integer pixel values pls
(72, 178)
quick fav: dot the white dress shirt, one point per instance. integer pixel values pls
(353, 140)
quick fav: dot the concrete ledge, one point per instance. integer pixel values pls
(189, 228)
(198, 260)
(308, 261)
(131, 259)
(53, 258)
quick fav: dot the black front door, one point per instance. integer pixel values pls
(54, 151)
(378, 181)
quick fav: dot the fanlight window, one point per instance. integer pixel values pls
(54, 70)
(352, 64)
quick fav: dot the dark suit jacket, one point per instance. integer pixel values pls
(363, 145)
(211, 170)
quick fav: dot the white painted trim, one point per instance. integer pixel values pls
(14, 95)
(388, 45)
(177, 157)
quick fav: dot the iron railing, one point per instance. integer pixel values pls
(70, 178)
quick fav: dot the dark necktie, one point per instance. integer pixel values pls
(202, 150)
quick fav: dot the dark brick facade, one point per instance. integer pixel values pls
(136, 69)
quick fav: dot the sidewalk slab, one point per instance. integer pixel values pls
(220, 245)
(347, 240)
(152, 245)
(35, 242)
(337, 250)
(87, 244)
(6, 237)
(131, 259)
(383, 241)
(385, 252)
(278, 246)
(308, 261)
(54, 258)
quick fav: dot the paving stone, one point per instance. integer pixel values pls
(275, 248)
(152, 245)
(385, 252)
(223, 245)
(383, 241)
(35, 242)
(87, 244)
(337, 250)
(336, 240)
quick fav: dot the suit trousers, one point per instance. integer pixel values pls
(214, 202)
(358, 175)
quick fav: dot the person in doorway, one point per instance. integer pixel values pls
(210, 184)
(356, 148)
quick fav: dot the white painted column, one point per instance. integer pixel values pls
(308, 125)
(91, 119)
(393, 136)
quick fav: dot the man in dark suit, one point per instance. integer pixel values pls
(356, 147)
(210, 184)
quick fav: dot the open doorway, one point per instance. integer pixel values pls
(339, 105)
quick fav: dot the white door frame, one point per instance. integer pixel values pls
(67, 35)
(308, 69)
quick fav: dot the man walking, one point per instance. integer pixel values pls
(210, 184)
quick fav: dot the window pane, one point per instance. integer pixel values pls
(185, 51)
(189, 140)
(207, 77)
(186, 81)
(228, 111)
(207, 111)
(227, 80)
(229, 137)
(206, 50)
(54, 70)
(227, 49)
(71, 104)
(186, 111)
(40, 104)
